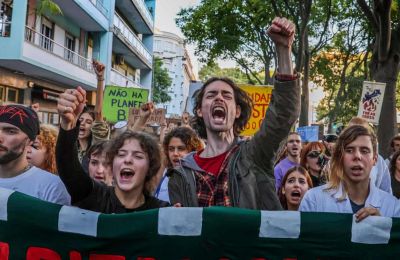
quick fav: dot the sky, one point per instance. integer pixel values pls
(166, 11)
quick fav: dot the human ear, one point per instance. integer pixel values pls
(199, 114)
(238, 111)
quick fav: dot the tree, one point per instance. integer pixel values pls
(48, 6)
(384, 64)
(161, 82)
(213, 70)
(340, 67)
(232, 30)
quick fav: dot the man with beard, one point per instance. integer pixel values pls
(19, 126)
(293, 148)
(229, 171)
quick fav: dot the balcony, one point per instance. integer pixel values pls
(137, 14)
(127, 44)
(44, 58)
(118, 79)
(5, 28)
(91, 16)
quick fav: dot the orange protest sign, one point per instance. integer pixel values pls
(261, 96)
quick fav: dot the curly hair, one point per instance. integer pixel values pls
(300, 169)
(48, 138)
(241, 98)
(187, 136)
(148, 144)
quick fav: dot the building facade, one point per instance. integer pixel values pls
(42, 55)
(171, 49)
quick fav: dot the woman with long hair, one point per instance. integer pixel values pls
(350, 189)
(42, 152)
(134, 158)
(310, 159)
(295, 184)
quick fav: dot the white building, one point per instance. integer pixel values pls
(171, 49)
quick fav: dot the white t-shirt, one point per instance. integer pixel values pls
(38, 183)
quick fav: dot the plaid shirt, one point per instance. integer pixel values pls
(213, 190)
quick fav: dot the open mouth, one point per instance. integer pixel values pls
(127, 174)
(296, 194)
(218, 113)
(356, 169)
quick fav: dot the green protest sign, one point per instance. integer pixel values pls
(34, 229)
(118, 100)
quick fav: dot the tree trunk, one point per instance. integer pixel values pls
(304, 121)
(387, 72)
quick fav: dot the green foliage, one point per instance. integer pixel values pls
(230, 30)
(213, 70)
(162, 82)
(48, 6)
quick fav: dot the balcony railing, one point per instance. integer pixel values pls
(119, 79)
(5, 28)
(49, 45)
(99, 5)
(122, 28)
(145, 11)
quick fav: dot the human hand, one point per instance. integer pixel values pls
(146, 110)
(365, 212)
(99, 69)
(282, 32)
(70, 105)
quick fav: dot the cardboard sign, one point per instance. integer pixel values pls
(261, 96)
(308, 133)
(118, 101)
(157, 118)
(371, 101)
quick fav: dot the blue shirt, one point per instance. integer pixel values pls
(321, 200)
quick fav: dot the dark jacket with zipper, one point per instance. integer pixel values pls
(251, 173)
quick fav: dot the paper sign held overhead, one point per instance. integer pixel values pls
(371, 101)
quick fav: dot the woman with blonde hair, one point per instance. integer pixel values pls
(42, 152)
(350, 189)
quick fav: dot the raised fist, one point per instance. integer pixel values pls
(70, 105)
(282, 32)
(99, 69)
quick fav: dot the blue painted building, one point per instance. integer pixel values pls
(42, 55)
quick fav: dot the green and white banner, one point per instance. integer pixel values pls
(33, 229)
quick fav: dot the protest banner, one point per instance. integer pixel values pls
(156, 118)
(371, 101)
(261, 96)
(308, 133)
(118, 101)
(34, 229)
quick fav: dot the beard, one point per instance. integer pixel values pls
(12, 154)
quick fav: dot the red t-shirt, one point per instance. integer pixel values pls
(212, 164)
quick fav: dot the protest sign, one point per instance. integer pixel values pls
(34, 229)
(308, 133)
(118, 100)
(261, 96)
(371, 101)
(156, 118)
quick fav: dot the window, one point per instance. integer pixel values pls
(69, 47)
(2, 89)
(47, 35)
(12, 95)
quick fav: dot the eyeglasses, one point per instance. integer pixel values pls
(314, 154)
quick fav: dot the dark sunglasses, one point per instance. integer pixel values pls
(314, 154)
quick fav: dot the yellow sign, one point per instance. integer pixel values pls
(261, 96)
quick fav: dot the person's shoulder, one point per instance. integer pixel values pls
(44, 175)
(153, 202)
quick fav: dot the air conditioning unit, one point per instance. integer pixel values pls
(119, 60)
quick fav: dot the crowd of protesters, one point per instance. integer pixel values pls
(87, 164)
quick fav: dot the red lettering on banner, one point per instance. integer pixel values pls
(40, 253)
(4, 251)
(106, 257)
(74, 255)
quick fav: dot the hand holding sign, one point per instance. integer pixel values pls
(99, 69)
(70, 105)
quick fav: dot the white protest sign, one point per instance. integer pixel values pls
(371, 101)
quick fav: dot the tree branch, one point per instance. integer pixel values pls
(382, 8)
(369, 14)
(326, 24)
